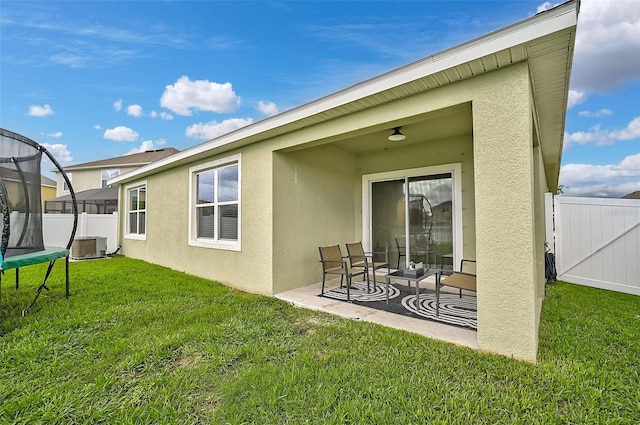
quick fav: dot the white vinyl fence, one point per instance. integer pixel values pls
(597, 242)
(56, 228)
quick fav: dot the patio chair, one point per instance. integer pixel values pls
(401, 250)
(460, 280)
(358, 258)
(334, 263)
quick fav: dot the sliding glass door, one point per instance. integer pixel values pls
(413, 216)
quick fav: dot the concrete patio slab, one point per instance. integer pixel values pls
(307, 297)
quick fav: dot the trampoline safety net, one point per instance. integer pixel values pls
(20, 193)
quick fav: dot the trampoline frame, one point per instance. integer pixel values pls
(48, 254)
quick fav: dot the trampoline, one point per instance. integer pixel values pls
(22, 241)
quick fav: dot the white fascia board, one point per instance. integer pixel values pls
(556, 19)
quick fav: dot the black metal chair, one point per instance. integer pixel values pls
(402, 250)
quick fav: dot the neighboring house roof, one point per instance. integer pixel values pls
(103, 194)
(632, 195)
(136, 159)
(13, 175)
(46, 181)
(545, 40)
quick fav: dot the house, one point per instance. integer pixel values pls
(89, 181)
(484, 124)
(13, 182)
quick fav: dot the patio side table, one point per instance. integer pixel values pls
(400, 274)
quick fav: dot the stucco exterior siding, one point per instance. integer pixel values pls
(540, 182)
(167, 236)
(505, 225)
(313, 206)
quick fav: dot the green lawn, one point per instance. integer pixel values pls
(138, 343)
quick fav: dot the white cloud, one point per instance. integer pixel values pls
(213, 129)
(597, 114)
(613, 181)
(546, 6)
(268, 108)
(603, 137)
(121, 134)
(40, 111)
(59, 152)
(148, 145)
(56, 134)
(117, 105)
(162, 115)
(97, 126)
(134, 110)
(186, 95)
(608, 34)
(576, 97)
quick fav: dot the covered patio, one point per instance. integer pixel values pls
(308, 297)
(482, 151)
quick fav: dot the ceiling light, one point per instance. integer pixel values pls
(397, 135)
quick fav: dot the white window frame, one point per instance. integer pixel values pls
(194, 240)
(127, 189)
(454, 169)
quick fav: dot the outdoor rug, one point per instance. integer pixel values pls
(454, 310)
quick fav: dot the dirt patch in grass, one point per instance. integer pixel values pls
(188, 360)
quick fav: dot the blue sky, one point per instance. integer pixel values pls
(94, 80)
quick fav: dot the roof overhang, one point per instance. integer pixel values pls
(546, 40)
(104, 166)
(101, 194)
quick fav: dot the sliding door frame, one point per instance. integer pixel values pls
(456, 180)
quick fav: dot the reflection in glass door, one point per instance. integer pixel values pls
(388, 219)
(416, 225)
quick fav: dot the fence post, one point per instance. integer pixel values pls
(82, 224)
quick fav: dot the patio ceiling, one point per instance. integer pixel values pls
(435, 126)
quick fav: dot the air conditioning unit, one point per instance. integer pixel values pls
(88, 247)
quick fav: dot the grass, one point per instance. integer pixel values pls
(137, 344)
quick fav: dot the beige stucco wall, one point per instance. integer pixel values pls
(313, 206)
(505, 217)
(541, 187)
(167, 226)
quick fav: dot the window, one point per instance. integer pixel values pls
(136, 211)
(108, 174)
(215, 204)
(65, 186)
